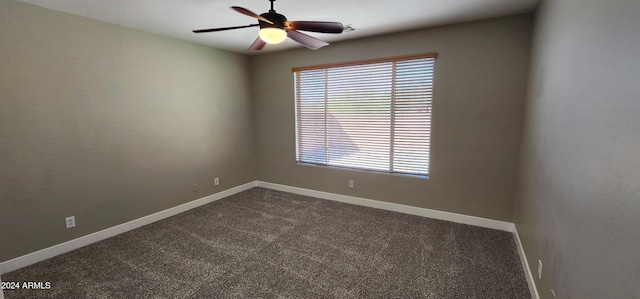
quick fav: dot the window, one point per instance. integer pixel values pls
(368, 115)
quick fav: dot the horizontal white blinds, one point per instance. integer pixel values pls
(372, 115)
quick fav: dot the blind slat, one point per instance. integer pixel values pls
(370, 115)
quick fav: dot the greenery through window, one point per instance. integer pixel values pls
(368, 115)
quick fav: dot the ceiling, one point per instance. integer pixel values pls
(176, 18)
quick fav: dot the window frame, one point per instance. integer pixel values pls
(430, 65)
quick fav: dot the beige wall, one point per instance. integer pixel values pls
(110, 124)
(479, 89)
(578, 205)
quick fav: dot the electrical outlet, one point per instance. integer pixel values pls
(195, 187)
(70, 221)
(351, 184)
(216, 181)
(539, 269)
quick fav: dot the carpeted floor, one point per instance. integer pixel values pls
(265, 243)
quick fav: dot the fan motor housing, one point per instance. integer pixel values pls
(277, 19)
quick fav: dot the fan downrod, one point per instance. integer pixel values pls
(272, 10)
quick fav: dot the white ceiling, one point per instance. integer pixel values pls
(176, 18)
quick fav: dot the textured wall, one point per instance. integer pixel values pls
(110, 124)
(480, 78)
(578, 205)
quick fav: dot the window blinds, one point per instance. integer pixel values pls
(369, 115)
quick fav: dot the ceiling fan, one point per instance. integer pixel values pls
(274, 29)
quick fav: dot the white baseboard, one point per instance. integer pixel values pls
(55, 250)
(525, 265)
(435, 214)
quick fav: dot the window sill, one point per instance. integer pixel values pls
(419, 176)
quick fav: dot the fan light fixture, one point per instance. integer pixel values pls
(272, 35)
(274, 29)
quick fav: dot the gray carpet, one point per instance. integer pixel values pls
(265, 243)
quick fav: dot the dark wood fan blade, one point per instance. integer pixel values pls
(247, 12)
(223, 28)
(257, 45)
(323, 27)
(306, 40)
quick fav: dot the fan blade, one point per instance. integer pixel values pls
(223, 28)
(306, 40)
(247, 12)
(322, 27)
(257, 45)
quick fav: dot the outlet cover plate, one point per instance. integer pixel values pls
(539, 269)
(70, 221)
